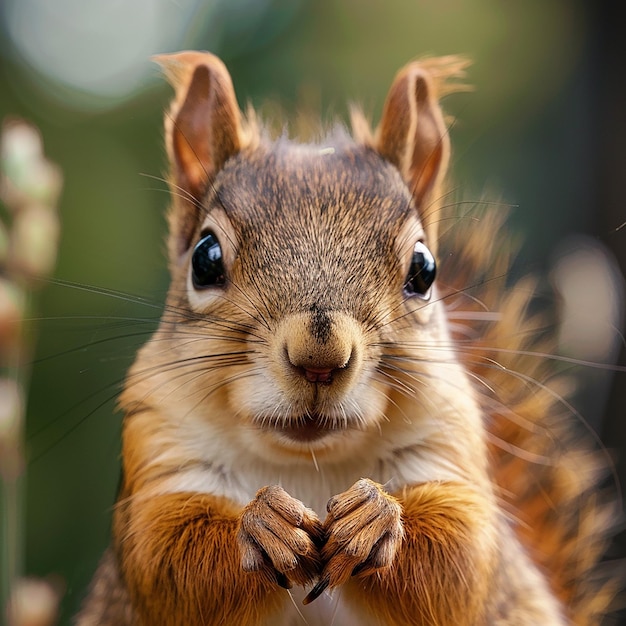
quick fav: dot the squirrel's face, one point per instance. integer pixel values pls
(302, 275)
(311, 264)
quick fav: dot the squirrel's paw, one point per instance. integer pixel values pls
(363, 533)
(280, 536)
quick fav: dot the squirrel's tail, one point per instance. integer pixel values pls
(547, 464)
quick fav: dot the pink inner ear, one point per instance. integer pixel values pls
(395, 125)
(430, 149)
(429, 152)
(191, 135)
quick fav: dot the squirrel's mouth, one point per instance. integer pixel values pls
(309, 429)
(306, 428)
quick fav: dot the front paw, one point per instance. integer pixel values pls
(279, 536)
(363, 533)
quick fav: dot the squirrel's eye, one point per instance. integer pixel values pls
(207, 266)
(421, 273)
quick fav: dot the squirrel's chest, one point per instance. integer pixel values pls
(208, 463)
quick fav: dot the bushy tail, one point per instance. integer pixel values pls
(549, 468)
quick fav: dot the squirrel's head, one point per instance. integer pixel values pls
(301, 272)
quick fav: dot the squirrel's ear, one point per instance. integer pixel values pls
(202, 130)
(413, 136)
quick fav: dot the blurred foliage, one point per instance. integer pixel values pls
(525, 132)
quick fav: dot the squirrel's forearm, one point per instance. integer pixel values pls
(442, 571)
(459, 564)
(181, 562)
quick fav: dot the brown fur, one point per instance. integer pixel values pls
(311, 368)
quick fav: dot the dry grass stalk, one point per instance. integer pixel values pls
(29, 231)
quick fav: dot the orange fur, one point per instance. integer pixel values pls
(172, 546)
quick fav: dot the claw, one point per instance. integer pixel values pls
(359, 568)
(317, 591)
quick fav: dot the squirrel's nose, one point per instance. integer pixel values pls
(319, 357)
(318, 363)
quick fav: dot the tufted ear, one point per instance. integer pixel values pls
(202, 131)
(413, 134)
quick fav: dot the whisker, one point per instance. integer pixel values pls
(32, 460)
(181, 192)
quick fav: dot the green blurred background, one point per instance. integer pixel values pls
(543, 130)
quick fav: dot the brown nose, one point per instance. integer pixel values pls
(319, 358)
(317, 364)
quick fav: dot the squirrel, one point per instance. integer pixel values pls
(311, 436)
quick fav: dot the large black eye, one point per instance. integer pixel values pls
(207, 266)
(422, 271)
